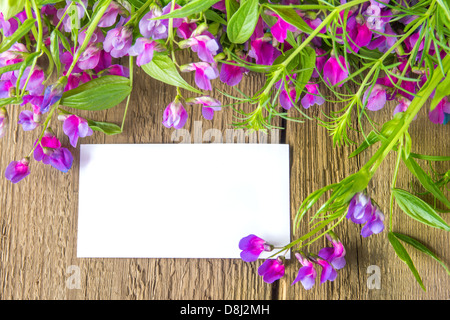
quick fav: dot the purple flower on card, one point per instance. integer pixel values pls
(288, 98)
(175, 115)
(204, 73)
(210, 105)
(375, 97)
(440, 114)
(90, 57)
(272, 270)
(335, 255)
(231, 74)
(3, 121)
(143, 49)
(76, 127)
(307, 273)
(154, 29)
(17, 170)
(375, 224)
(333, 72)
(252, 246)
(205, 46)
(313, 96)
(26, 119)
(118, 41)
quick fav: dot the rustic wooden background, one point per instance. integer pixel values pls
(38, 217)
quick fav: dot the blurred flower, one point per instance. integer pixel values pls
(76, 127)
(175, 115)
(335, 255)
(313, 96)
(333, 73)
(209, 105)
(252, 246)
(288, 98)
(307, 273)
(26, 119)
(118, 41)
(376, 99)
(204, 72)
(17, 170)
(374, 224)
(272, 270)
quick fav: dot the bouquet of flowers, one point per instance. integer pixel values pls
(58, 57)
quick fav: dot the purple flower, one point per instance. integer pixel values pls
(328, 272)
(10, 26)
(377, 98)
(231, 74)
(262, 51)
(75, 9)
(333, 73)
(439, 114)
(154, 29)
(288, 98)
(34, 85)
(117, 70)
(205, 46)
(76, 127)
(3, 121)
(360, 35)
(335, 255)
(13, 55)
(17, 170)
(185, 29)
(252, 246)
(381, 42)
(375, 223)
(204, 72)
(5, 85)
(209, 105)
(118, 41)
(49, 151)
(53, 94)
(90, 57)
(280, 28)
(307, 273)
(321, 59)
(97, 37)
(143, 49)
(175, 115)
(360, 208)
(402, 106)
(26, 119)
(313, 96)
(271, 270)
(110, 15)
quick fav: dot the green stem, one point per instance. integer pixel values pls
(394, 182)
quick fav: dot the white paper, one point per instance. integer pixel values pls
(181, 200)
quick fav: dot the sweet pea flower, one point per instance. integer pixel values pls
(49, 151)
(3, 121)
(262, 51)
(53, 94)
(321, 59)
(333, 73)
(118, 41)
(17, 170)
(110, 16)
(335, 255)
(34, 85)
(117, 70)
(280, 28)
(375, 224)
(439, 114)
(13, 55)
(11, 25)
(307, 273)
(272, 270)
(76, 127)
(27, 120)
(204, 72)
(143, 49)
(313, 96)
(176, 22)
(209, 105)
(205, 46)
(360, 208)
(252, 246)
(328, 272)
(373, 19)
(154, 29)
(360, 35)
(185, 29)
(90, 57)
(175, 115)
(375, 97)
(97, 36)
(382, 42)
(5, 86)
(402, 106)
(288, 98)
(231, 74)
(75, 9)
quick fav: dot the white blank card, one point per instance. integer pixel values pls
(181, 200)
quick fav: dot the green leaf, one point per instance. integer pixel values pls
(407, 146)
(105, 127)
(54, 50)
(243, 22)
(20, 32)
(137, 3)
(98, 94)
(404, 256)
(442, 91)
(190, 8)
(12, 100)
(426, 180)
(371, 139)
(292, 17)
(11, 67)
(419, 246)
(419, 210)
(231, 6)
(307, 64)
(10, 8)
(163, 69)
(214, 16)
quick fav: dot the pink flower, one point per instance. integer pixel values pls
(336, 254)
(118, 41)
(280, 28)
(76, 127)
(204, 72)
(34, 85)
(90, 57)
(205, 46)
(376, 99)
(175, 115)
(26, 119)
(321, 59)
(77, 9)
(252, 246)
(17, 170)
(110, 15)
(209, 105)
(440, 114)
(185, 29)
(272, 270)
(49, 151)
(312, 97)
(360, 35)
(307, 273)
(288, 98)
(262, 51)
(333, 73)
(231, 74)
(154, 29)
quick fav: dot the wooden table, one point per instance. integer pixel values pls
(39, 217)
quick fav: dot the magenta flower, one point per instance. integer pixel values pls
(13, 55)
(10, 26)
(280, 28)
(209, 105)
(154, 29)
(382, 42)
(17, 170)
(5, 86)
(90, 57)
(205, 46)
(76, 127)
(262, 51)
(117, 70)
(110, 16)
(53, 94)
(204, 73)
(26, 119)
(118, 41)
(360, 35)
(97, 36)
(175, 115)
(49, 151)
(272, 270)
(3, 121)
(402, 106)
(360, 208)
(143, 49)
(321, 59)
(252, 246)
(440, 114)
(335, 255)
(185, 29)
(375, 224)
(376, 99)
(288, 98)
(231, 74)
(307, 273)
(328, 272)
(34, 85)
(313, 96)
(333, 72)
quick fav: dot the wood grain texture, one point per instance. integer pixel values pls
(39, 217)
